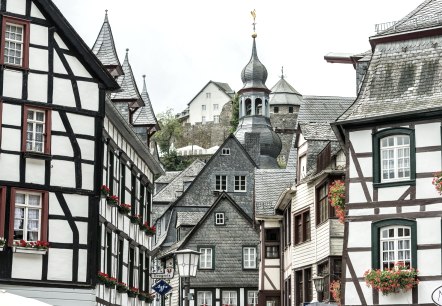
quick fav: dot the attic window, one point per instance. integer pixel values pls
(219, 219)
(225, 151)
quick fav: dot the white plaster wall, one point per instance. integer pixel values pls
(82, 124)
(434, 207)
(78, 204)
(57, 124)
(38, 59)
(63, 173)
(88, 95)
(60, 41)
(82, 231)
(88, 176)
(387, 210)
(87, 148)
(351, 295)
(10, 165)
(38, 35)
(356, 194)
(16, 6)
(391, 193)
(217, 97)
(366, 166)
(11, 114)
(354, 237)
(361, 141)
(396, 299)
(61, 145)
(58, 65)
(35, 171)
(426, 290)
(38, 87)
(352, 171)
(11, 139)
(63, 93)
(26, 266)
(426, 226)
(12, 83)
(407, 209)
(428, 261)
(60, 231)
(425, 189)
(361, 261)
(35, 12)
(82, 265)
(427, 134)
(361, 212)
(428, 162)
(77, 68)
(59, 264)
(54, 206)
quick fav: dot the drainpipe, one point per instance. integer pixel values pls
(281, 262)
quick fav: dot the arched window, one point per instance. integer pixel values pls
(248, 107)
(258, 107)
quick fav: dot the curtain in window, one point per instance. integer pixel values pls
(229, 298)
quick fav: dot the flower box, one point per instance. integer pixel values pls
(437, 182)
(124, 208)
(112, 201)
(133, 292)
(104, 191)
(26, 250)
(135, 219)
(106, 280)
(122, 287)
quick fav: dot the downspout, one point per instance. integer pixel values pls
(281, 263)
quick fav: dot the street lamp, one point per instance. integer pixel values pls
(187, 261)
(319, 285)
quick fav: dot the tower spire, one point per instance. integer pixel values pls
(253, 13)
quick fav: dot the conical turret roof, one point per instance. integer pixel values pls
(145, 115)
(284, 94)
(104, 47)
(129, 90)
(254, 74)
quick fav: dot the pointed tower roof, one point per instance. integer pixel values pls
(104, 49)
(145, 116)
(129, 90)
(284, 94)
(254, 74)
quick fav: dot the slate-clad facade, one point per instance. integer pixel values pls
(392, 138)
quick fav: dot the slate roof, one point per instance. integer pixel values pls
(145, 114)
(292, 158)
(426, 15)
(402, 77)
(284, 94)
(323, 108)
(188, 218)
(317, 131)
(129, 90)
(269, 184)
(104, 46)
(168, 177)
(169, 193)
(254, 74)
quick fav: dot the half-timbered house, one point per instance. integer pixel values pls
(392, 138)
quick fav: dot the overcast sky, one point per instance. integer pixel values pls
(181, 45)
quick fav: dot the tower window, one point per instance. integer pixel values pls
(276, 109)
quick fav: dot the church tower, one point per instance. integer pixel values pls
(254, 109)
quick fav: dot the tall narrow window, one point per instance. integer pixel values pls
(302, 227)
(15, 42)
(122, 191)
(109, 252)
(28, 216)
(249, 257)
(37, 130)
(221, 183)
(131, 266)
(120, 259)
(395, 243)
(140, 271)
(252, 298)
(206, 258)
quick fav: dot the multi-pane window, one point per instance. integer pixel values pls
(302, 227)
(27, 216)
(240, 183)
(221, 183)
(395, 246)
(203, 119)
(14, 43)
(249, 257)
(230, 298)
(203, 107)
(206, 258)
(395, 158)
(35, 130)
(252, 298)
(215, 106)
(204, 298)
(219, 219)
(216, 119)
(109, 252)
(272, 243)
(208, 95)
(225, 151)
(323, 207)
(303, 286)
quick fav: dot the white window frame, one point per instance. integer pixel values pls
(225, 151)
(208, 95)
(26, 206)
(249, 257)
(252, 298)
(34, 122)
(215, 106)
(203, 119)
(395, 154)
(219, 218)
(206, 258)
(9, 41)
(204, 298)
(203, 107)
(229, 298)
(216, 119)
(240, 183)
(220, 182)
(395, 247)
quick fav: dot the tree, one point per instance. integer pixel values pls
(235, 113)
(170, 129)
(173, 162)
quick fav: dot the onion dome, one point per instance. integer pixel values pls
(254, 74)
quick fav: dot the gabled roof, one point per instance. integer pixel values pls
(425, 16)
(104, 46)
(224, 87)
(145, 116)
(317, 131)
(284, 94)
(188, 218)
(75, 42)
(323, 108)
(221, 197)
(168, 177)
(402, 78)
(169, 193)
(129, 90)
